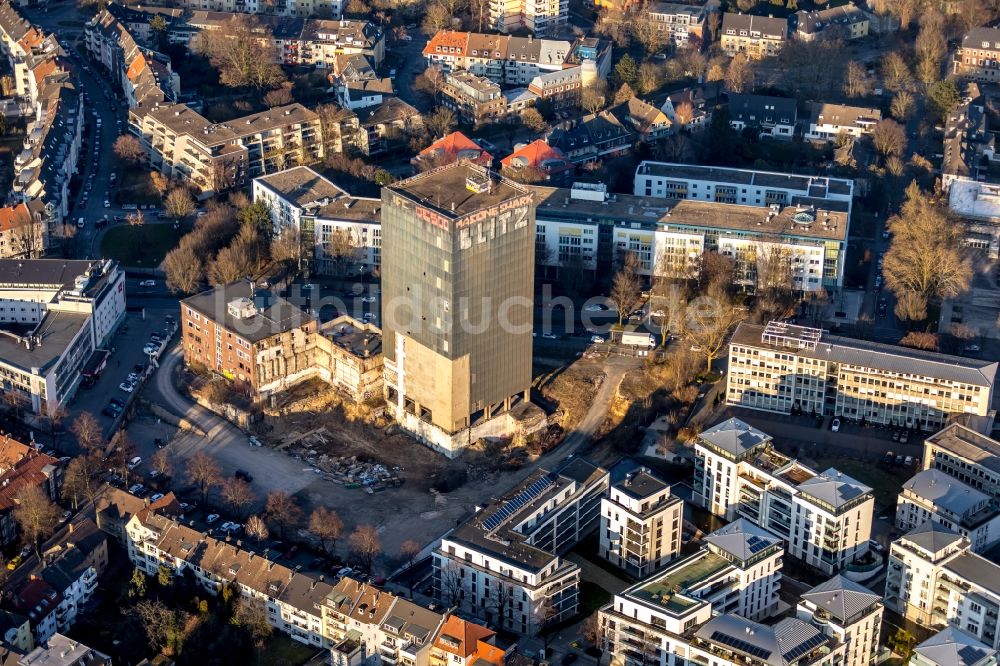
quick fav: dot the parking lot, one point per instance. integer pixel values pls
(126, 349)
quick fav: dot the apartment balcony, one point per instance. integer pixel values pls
(387, 657)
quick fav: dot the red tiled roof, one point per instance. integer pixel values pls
(472, 639)
(11, 450)
(454, 145)
(445, 40)
(12, 217)
(28, 472)
(535, 153)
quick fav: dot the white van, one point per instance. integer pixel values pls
(135, 462)
(80, 223)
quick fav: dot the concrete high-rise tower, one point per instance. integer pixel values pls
(458, 248)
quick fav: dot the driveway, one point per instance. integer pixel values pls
(222, 440)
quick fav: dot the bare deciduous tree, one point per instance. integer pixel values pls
(185, 270)
(178, 203)
(239, 495)
(36, 515)
(594, 97)
(251, 616)
(242, 49)
(366, 545)
(128, 149)
(708, 321)
(282, 511)
(88, 432)
(921, 340)
(626, 287)
(889, 137)
(926, 255)
(326, 525)
(256, 528)
(857, 83)
(739, 74)
(204, 472)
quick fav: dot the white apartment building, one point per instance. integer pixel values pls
(784, 368)
(682, 22)
(951, 647)
(753, 36)
(342, 234)
(737, 570)
(935, 580)
(687, 614)
(54, 593)
(641, 521)
(825, 518)
(848, 612)
(963, 453)
(540, 17)
(292, 600)
(215, 157)
(740, 186)
(829, 121)
(503, 565)
(933, 495)
(505, 60)
(55, 313)
(669, 235)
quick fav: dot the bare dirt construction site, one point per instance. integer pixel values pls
(372, 474)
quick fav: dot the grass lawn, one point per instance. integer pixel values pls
(139, 246)
(592, 597)
(283, 651)
(885, 483)
(136, 187)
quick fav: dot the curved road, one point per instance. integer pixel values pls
(222, 440)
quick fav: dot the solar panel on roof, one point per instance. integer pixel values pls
(804, 647)
(970, 654)
(519, 500)
(741, 645)
(756, 544)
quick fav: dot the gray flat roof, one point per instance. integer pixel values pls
(977, 569)
(301, 186)
(969, 444)
(830, 220)
(54, 273)
(945, 491)
(444, 189)
(56, 330)
(888, 358)
(840, 186)
(274, 315)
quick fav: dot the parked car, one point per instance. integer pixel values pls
(596, 339)
(110, 413)
(14, 563)
(211, 518)
(254, 441)
(888, 458)
(156, 497)
(368, 299)
(973, 348)
(908, 462)
(125, 386)
(244, 475)
(835, 425)
(904, 438)
(899, 461)
(135, 488)
(147, 283)
(135, 462)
